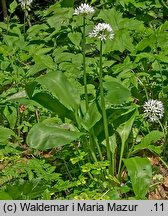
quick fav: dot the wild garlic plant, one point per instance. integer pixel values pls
(102, 32)
(85, 10)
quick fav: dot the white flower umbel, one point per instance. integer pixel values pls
(153, 110)
(25, 4)
(84, 9)
(102, 31)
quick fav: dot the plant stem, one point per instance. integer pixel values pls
(97, 145)
(105, 122)
(92, 139)
(165, 138)
(84, 63)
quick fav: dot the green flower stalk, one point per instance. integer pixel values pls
(104, 31)
(25, 5)
(84, 10)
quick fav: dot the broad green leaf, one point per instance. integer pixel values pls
(122, 41)
(157, 149)
(112, 17)
(91, 117)
(13, 6)
(44, 136)
(10, 113)
(23, 189)
(116, 92)
(124, 131)
(75, 38)
(41, 62)
(58, 85)
(5, 64)
(149, 139)
(146, 42)
(60, 18)
(5, 134)
(5, 196)
(161, 58)
(67, 3)
(144, 55)
(37, 67)
(30, 87)
(34, 30)
(140, 172)
(53, 104)
(18, 95)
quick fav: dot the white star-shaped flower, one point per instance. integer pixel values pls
(84, 9)
(153, 110)
(102, 31)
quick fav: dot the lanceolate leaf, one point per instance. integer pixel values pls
(59, 86)
(53, 104)
(92, 117)
(116, 92)
(149, 139)
(44, 136)
(124, 131)
(140, 172)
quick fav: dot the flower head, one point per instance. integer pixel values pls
(153, 110)
(84, 9)
(102, 31)
(25, 4)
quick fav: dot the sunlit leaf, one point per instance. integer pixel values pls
(116, 92)
(140, 172)
(57, 83)
(44, 136)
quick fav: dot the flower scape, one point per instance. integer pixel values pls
(153, 110)
(102, 31)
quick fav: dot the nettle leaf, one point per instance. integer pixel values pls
(44, 136)
(116, 92)
(5, 134)
(143, 55)
(34, 30)
(13, 6)
(59, 86)
(75, 37)
(111, 16)
(149, 139)
(121, 42)
(140, 172)
(60, 18)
